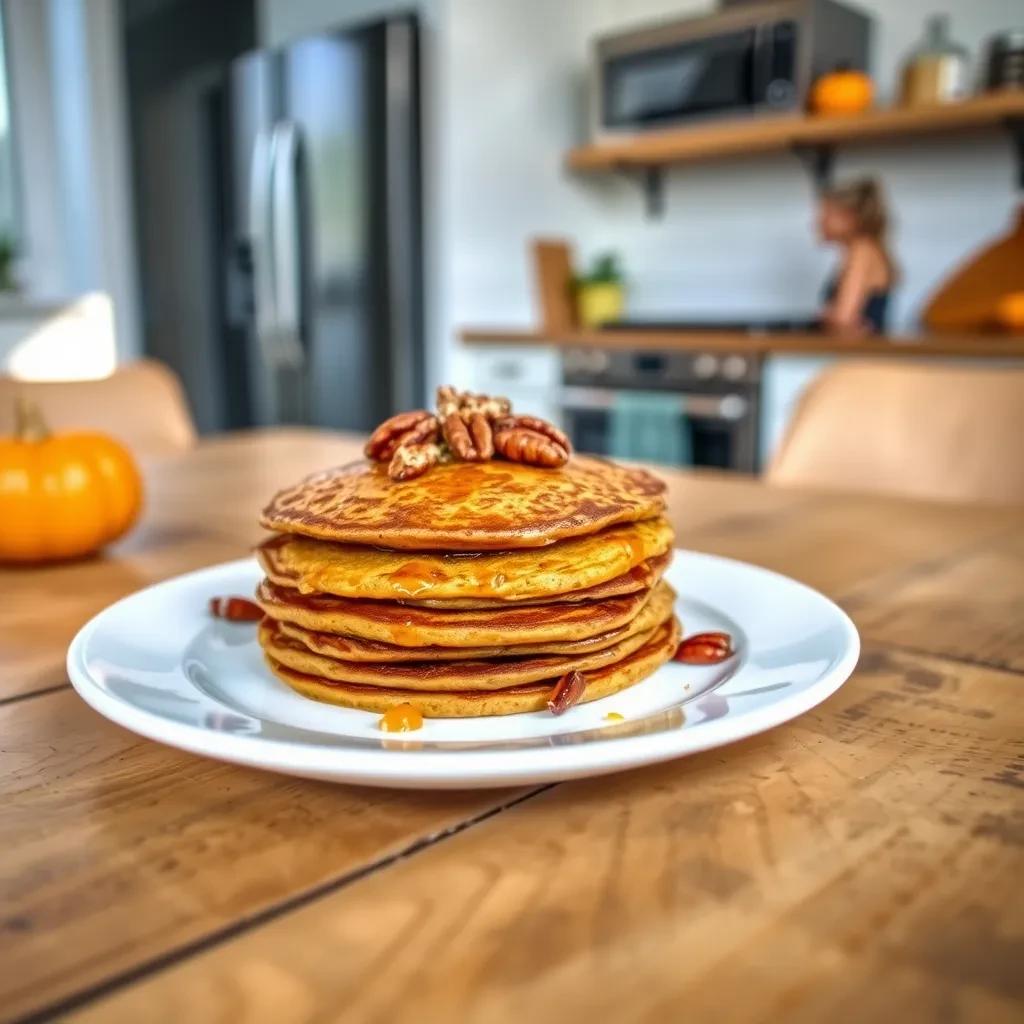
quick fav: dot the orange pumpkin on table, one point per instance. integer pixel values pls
(842, 91)
(63, 495)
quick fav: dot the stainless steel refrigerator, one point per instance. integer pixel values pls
(325, 215)
(279, 210)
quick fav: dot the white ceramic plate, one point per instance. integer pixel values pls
(157, 664)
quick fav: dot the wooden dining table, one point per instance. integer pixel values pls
(863, 862)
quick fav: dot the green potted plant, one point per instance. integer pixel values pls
(600, 294)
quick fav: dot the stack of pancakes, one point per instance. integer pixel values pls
(471, 590)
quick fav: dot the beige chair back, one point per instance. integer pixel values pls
(141, 404)
(948, 432)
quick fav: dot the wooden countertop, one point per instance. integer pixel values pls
(863, 861)
(796, 343)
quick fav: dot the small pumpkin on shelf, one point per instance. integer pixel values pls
(843, 91)
(63, 495)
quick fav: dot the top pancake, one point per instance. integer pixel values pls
(466, 506)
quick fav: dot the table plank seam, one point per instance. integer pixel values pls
(108, 986)
(42, 692)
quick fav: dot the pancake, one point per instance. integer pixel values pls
(600, 682)
(447, 676)
(349, 648)
(406, 626)
(367, 573)
(466, 506)
(640, 577)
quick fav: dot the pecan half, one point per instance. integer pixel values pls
(483, 436)
(566, 692)
(390, 434)
(536, 424)
(459, 439)
(413, 460)
(448, 401)
(704, 649)
(518, 444)
(428, 429)
(235, 609)
(491, 407)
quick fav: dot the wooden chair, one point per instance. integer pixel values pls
(944, 432)
(141, 403)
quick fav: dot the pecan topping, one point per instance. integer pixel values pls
(704, 649)
(517, 444)
(413, 460)
(468, 427)
(566, 692)
(235, 609)
(458, 438)
(492, 408)
(483, 436)
(391, 433)
(448, 401)
(538, 426)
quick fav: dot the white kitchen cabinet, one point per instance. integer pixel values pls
(784, 378)
(529, 375)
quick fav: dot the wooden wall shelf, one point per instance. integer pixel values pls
(983, 346)
(802, 134)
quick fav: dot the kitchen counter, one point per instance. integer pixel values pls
(799, 343)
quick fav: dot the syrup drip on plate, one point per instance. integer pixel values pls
(401, 718)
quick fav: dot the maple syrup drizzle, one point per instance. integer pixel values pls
(401, 718)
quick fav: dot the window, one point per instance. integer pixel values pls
(8, 185)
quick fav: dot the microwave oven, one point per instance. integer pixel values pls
(748, 58)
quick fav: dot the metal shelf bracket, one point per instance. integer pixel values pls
(652, 183)
(818, 160)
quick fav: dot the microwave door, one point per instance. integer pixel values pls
(680, 81)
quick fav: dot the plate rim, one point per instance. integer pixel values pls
(433, 768)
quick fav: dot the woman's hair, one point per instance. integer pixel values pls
(865, 200)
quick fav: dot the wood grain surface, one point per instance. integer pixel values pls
(843, 863)
(861, 862)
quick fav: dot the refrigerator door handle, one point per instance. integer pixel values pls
(286, 242)
(265, 314)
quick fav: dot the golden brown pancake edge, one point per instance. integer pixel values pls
(653, 613)
(600, 682)
(406, 626)
(567, 570)
(446, 676)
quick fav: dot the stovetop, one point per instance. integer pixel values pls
(750, 325)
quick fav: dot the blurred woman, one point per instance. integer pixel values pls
(853, 217)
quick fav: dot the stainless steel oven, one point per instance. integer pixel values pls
(711, 398)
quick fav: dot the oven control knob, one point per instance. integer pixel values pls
(574, 360)
(734, 367)
(705, 366)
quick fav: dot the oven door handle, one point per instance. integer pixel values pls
(708, 407)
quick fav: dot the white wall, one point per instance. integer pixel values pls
(737, 233)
